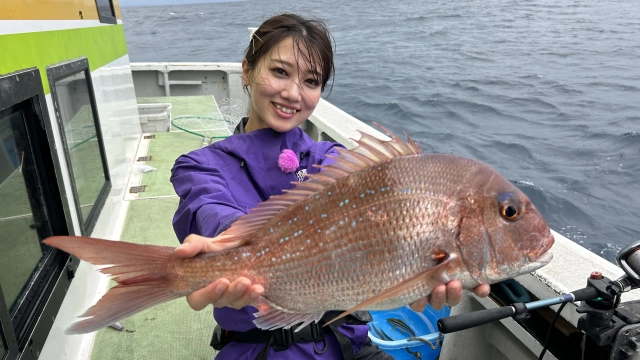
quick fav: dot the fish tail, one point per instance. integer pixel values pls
(139, 270)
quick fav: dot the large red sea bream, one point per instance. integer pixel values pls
(378, 229)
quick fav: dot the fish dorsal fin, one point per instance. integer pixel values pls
(368, 152)
(424, 281)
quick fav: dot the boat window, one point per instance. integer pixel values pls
(20, 238)
(4, 324)
(106, 11)
(77, 115)
(31, 211)
(3, 348)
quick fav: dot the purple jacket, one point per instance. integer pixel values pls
(223, 181)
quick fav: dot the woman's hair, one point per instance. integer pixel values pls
(309, 34)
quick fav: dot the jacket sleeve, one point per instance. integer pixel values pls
(206, 205)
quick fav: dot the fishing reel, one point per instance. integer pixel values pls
(629, 260)
(600, 310)
(613, 328)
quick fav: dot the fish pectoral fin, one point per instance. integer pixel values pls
(231, 241)
(271, 318)
(426, 280)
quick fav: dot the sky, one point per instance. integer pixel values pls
(126, 3)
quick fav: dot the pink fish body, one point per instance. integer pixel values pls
(378, 229)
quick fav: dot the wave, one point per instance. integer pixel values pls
(613, 86)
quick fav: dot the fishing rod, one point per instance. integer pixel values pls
(517, 310)
(600, 300)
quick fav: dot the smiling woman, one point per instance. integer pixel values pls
(284, 90)
(287, 65)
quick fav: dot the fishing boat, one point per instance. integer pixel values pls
(88, 141)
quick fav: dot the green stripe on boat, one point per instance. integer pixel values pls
(41, 49)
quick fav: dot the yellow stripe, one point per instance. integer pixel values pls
(116, 8)
(52, 9)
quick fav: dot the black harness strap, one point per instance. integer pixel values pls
(345, 343)
(282, 339)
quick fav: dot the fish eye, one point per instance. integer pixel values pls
(509, 211)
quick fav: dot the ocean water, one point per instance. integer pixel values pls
(545, 91)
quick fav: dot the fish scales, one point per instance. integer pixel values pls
(378, 229)
(379, 226)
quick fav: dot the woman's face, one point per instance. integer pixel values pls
(283, 89)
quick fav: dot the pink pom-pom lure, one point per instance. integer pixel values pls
(288, 161)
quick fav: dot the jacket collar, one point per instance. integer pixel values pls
(259, 151)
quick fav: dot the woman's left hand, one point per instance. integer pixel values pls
(451, 294)
(221, 292)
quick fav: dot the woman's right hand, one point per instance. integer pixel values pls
(237, 294)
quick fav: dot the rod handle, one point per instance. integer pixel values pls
(587, 293)
(465, 321)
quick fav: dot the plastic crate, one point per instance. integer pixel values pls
(154, 117)
(423, 324)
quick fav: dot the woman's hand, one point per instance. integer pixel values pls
(237, 294)
(451, 294)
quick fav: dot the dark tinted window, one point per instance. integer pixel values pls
(3, 346)
(32, 210)
(106, 11)
(20, 215)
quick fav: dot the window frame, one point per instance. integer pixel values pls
(24, 331)
(58, 72)
(7, 335)
(107, 19)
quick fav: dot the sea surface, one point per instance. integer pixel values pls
(545, 91)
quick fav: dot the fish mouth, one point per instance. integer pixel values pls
(542, 254)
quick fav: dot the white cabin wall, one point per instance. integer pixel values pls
(118, 112)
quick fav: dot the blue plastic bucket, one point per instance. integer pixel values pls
(423, 324)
